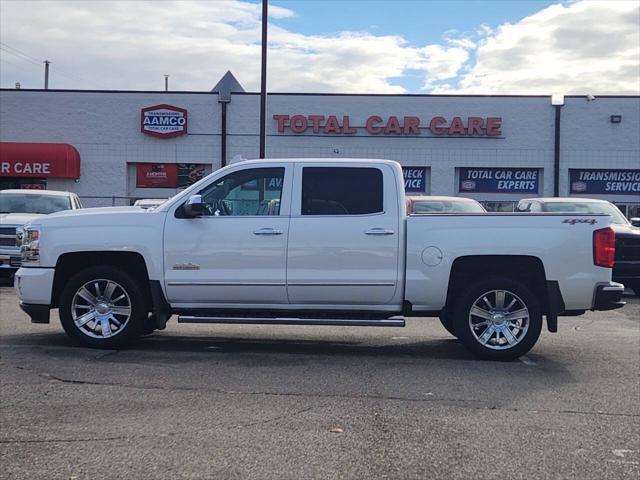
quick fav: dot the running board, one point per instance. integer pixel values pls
(351, 322)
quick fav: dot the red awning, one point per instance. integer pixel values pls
(45, 160)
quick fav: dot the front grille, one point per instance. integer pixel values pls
(7, 236)
(628, 248)
(7, 242)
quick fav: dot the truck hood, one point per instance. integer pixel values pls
(18, 218)
(95, 211)
(101, 216)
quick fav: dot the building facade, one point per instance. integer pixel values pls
(496, 149)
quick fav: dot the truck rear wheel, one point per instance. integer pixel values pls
(102, 307)
(498, 318)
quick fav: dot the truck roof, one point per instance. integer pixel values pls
(327, 160)
(56, 193)
(440, 198)
(565, 200)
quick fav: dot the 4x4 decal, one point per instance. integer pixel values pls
(573, 221)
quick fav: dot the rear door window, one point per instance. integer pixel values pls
(341, 191)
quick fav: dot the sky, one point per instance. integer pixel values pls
(349, 46)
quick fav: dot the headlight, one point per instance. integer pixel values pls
(29, 240)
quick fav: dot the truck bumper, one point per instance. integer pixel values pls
(608, 296)
(627, 272)
(9, 261)
(34, 287)
(38, 313)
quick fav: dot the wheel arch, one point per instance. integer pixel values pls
(68, 264)
(525, 268)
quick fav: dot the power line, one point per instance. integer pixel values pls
(33, 59)
(19, 55)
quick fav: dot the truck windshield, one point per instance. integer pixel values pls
(445, 206)
(586, 208)
(33, 203)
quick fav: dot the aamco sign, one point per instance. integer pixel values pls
(164, 121)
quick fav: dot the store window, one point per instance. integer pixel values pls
(168, 175)
(23, 183)
(416, 180)
(341, 191)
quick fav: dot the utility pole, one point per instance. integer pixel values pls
(46, 74)
(166, 83)
(263, 81)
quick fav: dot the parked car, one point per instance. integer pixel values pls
(149, 202)
(339, 250)
(18, 207)
(428, 204)
(626, 269)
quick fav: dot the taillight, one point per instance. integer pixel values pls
(604, 247)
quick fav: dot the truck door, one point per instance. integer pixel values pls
(235, 253)
(343, 235)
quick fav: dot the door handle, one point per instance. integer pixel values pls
(267, 231)
(379, 231)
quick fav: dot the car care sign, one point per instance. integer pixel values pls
(499, 180)
(163, 121)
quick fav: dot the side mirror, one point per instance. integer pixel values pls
(194, 206)
(635, 221)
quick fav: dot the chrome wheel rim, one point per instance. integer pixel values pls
(101, 308)
(499, 319)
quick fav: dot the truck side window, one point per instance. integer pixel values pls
(341, 191)
(255, 191)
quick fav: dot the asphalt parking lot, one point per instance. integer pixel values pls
(198, 401)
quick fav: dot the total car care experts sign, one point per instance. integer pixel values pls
(163, 121)
(437, 126)
(499, 180)
(609, 182)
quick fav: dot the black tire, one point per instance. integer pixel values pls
(635, 286)
(130, 330)
(447, 323)
(476, 292)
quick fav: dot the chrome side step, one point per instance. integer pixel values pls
(348, 322)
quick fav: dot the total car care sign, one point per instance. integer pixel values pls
(163, 121)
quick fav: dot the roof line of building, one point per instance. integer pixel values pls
(192, 92)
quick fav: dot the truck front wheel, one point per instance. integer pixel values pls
(498, 318)
(102, 307)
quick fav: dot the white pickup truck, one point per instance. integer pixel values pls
(314, 242)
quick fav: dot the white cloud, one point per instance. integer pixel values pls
(582, 47)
